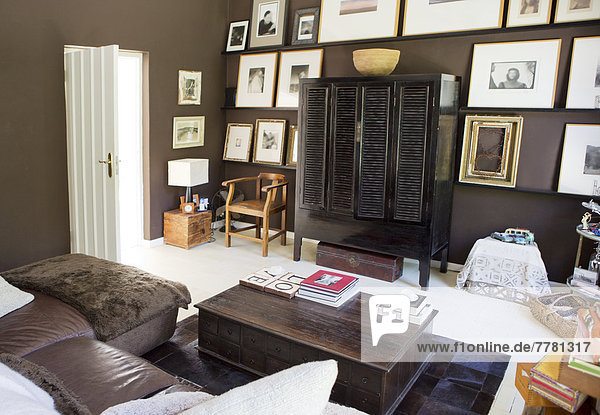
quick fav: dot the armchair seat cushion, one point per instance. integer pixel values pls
(255, 206)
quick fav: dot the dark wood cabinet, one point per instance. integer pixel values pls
(376, 164)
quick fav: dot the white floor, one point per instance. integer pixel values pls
(211, 268)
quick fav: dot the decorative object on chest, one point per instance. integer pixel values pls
(375, 62)
(187, 230)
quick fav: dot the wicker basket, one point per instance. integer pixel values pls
(558, 312)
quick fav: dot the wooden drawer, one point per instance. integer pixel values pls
(364, 401)
(343, 367)
(366, 379)
(274, 365)
(208, 341)
(302, 354)
(229, 350)
(229, 331)
(253, 339)
(338, 393)
(253, 359)
(207, 322)
(278, 348)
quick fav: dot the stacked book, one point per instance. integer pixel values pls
(328, 288)
(420, 309)
(588, 327)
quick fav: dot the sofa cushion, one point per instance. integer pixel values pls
(44, 321)
(101, 375)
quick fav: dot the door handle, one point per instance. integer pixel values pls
(109, 163)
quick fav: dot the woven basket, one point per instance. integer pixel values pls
(558, 312)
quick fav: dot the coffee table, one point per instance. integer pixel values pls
(263, 334)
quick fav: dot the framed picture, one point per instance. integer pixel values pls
(491, 146)
(584, 78)
(238, 32)
(580, 165)
(268, 141)
(306, 26)
(576, 10)
(190, 88)
(438, 16)
(514, 74)
(294, 66)
(268, 23)
(358, 19)
(528, 12)
(256, 80)
(238, 142)
(188, 132)
(292, 149)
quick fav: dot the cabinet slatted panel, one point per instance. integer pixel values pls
(342, 174)
(411, 154)
(373, 152)
(314, 147)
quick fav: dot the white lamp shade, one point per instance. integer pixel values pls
(188, 172)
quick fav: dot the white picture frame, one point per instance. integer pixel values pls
(269, 139)
(238, 34)
(440, 16)
(190, 88)
(514, 74)
(528, 12)
(576, 10)
(268, 31)
(293, 66)
(580, 164)
(188, 132)
(584, 78)
(256, 80)
(238, 142)
(343, 20)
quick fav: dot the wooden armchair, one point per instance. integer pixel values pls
(259, 208)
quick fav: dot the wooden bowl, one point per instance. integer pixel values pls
(375, 62)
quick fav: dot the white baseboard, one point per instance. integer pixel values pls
(151, 243)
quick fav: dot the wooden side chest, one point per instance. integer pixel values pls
(187, 230)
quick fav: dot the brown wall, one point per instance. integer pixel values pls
(182, 34)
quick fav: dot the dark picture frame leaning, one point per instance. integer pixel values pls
(298, 16)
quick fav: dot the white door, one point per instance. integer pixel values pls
(91, 90)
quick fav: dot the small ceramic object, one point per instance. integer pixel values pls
(375, 62)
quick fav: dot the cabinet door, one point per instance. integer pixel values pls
(313, 145)
(342, 154)
(414, 101)
(376, 120)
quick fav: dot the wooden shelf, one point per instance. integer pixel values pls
(490, 109)
(261, 108)
(261, 165)
(527, 190)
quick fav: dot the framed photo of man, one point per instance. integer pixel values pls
(256, 80)
(528, 12)
(238, 32)
(268, 23)
(584, 78)
(294, 66)
(268, 142)
(576, 10)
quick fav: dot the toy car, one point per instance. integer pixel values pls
(515, 235)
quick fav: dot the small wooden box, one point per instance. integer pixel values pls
(522, 384)
(371, 264)
(186, 230)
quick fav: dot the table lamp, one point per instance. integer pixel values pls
(188, 173)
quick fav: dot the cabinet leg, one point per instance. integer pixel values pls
(444, 261)
(283, 227)
(424, 266)
(297, 247)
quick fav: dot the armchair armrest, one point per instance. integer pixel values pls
(234, 181)
(274, 186)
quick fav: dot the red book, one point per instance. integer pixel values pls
(328, 281)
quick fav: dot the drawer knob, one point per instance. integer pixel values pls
(229, 353)
(346, 382)
(229, 331)
(365, 379)
(305, 359)
(252, 361)
(208, 342)
(277, 349)
(365, 400)
(252, 340)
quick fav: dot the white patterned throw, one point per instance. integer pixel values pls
(11, 298)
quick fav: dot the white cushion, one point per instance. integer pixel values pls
(20, 396)
(11, 298)
(159, 404)
(299, 390)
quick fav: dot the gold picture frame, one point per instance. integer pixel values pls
(292, 145)
(490, 153)
(238, 142)
(269, 139)
(257, 75)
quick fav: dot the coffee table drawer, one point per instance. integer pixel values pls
(273, 365)
(253, 360)
(229, 350)
(253, 339)
(364, 401)
(279, 348)
(302, 354)
(207, 322)
(208, 341)
(343, 367)
(338, 393)
(229, 331)
(366, 378)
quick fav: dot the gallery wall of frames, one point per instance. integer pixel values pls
(529, 68)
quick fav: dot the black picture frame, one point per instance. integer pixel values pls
(315, 11)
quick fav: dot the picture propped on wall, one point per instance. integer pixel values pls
(584, 78)
(256, 80)
(580, 165)
(238, 32)
(358, 19)
(306, 26)
(292, 150)
(268, 141)
(528, 12)
(438, 16)
(514, 74)
(576, 10)
(188, 132)
(268, 23)
(190, 88)
(238, 142)
(293, 67)
(491, 146)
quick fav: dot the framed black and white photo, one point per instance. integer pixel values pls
(584, 78)
(580, 165)
(238, 32)
(292, 149)
(190, 88)
(439, 16)
(256, 80)
(269, 141)
(514, 74)
(491, 146)
(358, 19)
(293, 67)
(268, 23)
(188, 132)
(238, 142)
(528, 12)
(306, 26)
(576, 10)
